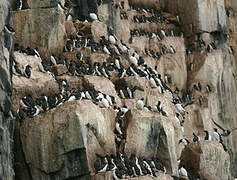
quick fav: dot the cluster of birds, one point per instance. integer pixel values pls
(145, 19)
(159, 34)
(157, 55)
(209, 47)
(110, 46)
(208, 137)
(32, 107)
(127, 92)
(154, 12)
(27, 70)
(124, 167)
(123, 15)
(182, 171)
(121, 165)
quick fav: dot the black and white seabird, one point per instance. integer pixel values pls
(61, 7)
(16, 69)
(101, 165)
(163, 33)
(53, 60)
(105, 49)
(184, 141)
(180, 108)
(93, 16)
(207, 136)
(230, 49)
(196, 138)
(68, 17)
(118, 127)
(27, 71)
(117, 64)
(36, 52)
(70, 44)
(112, 39)
(32, 111)
(104, 102)
(20, 114)
(27, 101)
(183, 172)
(133, 59)
(9, 30)
(177, 118)
(124, 109)
(208, 87)
(19, 4)
(226, 133)
(79, 56)
(217, 135)
(140, 104)
(43, 102)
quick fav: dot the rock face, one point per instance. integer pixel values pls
(190, 43)
(155, 138)
(43, 28)
(199, 156)
(66, 135)
(6, 121)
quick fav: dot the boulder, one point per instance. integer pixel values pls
(70, 28)
(42, 28)
(198, 16)
(155, 137)
(147, 4)
(208, 158)
(101, 84)
(63, 142)
(33, 4)
(98, 29)
(37, 84)
(174, 65)
(59, 69)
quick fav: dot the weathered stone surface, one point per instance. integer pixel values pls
(60, 69)
(109, 176)
(154, 136)
(174, 65)
(98, 29)
(218, 69)
(64, 140)
(32, 4)
(42, 28)
(198, 16)
(147, 4)
(208, 158)
(70, 28)
(6, 120)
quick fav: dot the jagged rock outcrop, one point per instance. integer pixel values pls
(198, 157)
(71, 135)
(191, 45)
(43, 28)
(6, 117)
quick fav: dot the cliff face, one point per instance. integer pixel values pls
(6, 121)
(191, 42)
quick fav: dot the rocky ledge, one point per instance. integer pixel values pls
(123, 89)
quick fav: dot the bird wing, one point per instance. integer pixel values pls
(218, 124)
